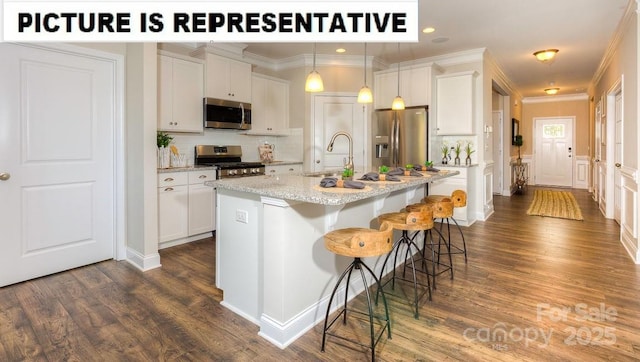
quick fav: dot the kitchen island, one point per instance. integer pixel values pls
(271, 263)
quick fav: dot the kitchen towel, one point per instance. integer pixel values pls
(396, 172)
(414, 173)
(333, 182)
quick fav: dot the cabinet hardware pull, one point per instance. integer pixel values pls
(168, 179)
(169, 189)
(202, 176)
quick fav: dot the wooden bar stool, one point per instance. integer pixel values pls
(359, 243)
(419, 219)
(459, 198)
(438, 209)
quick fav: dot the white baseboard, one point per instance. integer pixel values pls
(168, 244)
(143, 262)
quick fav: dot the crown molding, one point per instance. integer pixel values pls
(500, 77)
(561, 98)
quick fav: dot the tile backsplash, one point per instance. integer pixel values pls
(287, 148)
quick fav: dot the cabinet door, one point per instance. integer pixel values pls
(454, 104)
(202, 209)
(217, 85)
(165, 93)
(283, 169)
(385, 89)
(259, 112)
(188, 91)
(172, 212)
(416, 86)
(277, 99)
(239, 81)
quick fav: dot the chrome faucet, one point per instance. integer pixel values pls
(349, 164)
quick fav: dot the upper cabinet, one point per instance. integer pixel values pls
(269, 105)
(415, 86)
(455, 103)
(228, 79)
(180, 93)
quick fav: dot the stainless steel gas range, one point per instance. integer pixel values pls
(228, 160)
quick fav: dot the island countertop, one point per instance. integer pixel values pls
(306, 188)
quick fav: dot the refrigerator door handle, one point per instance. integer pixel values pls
(397, 142)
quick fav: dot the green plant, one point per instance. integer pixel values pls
(408, 166)
(428, 163)
(518, 142)
(163, 139)
(468, 150)
(383, 169)
(347, 172)
(445, 150)
(457, 149)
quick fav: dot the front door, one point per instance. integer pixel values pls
(554, 151)
(57, 155)
(332, 114)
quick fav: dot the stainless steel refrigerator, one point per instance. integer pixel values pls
(400, 137)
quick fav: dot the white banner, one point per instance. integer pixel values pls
(218, 21)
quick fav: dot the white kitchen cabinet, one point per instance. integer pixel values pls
(186, 207)
(455, 103)
(463, 181)
(202, 202)
(269, 105)
(415, 86)
(227, 79)
(173, 206)
(180, 93)
(283, 169)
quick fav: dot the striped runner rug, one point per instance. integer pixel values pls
(560, 204)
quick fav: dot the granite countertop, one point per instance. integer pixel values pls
(278, 163)
(306, 189)
(186, 169)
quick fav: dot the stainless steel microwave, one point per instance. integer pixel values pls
(221, 113)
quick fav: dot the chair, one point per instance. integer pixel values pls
(419, 218)
(359, 243)
(459, 198)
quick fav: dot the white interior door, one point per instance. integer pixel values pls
(333, 114)
(495, 138)
(617, 155)
(57, 120)
(596, 156)
(554, 151)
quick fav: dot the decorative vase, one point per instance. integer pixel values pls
(457, 161)
(467, 161)
(444, 160)
(164, 157)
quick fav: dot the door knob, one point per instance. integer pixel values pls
(618, 164)
(317, 161)
(4, 176)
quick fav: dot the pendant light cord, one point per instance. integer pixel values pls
(398, 70)
(365, 64)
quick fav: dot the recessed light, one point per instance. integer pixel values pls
(440, 40)
(428, 30)
(341, 50)
(551, 90)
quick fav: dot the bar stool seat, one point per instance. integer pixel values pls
(359, 243)
(459, 198)
(419, 219)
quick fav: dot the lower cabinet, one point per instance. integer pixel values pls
(462, 181)
(283, 169)
(186, 207)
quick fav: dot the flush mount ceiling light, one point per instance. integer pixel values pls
(365, 96)
(545, 55)
(398, 102)
(314, 81)
(428, 30)
(551, 91)
(341, 50)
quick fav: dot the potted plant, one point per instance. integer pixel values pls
(164, 154)
(383, 169)
(468, 149)
(445, 153)
(457, 149)
(347, 174)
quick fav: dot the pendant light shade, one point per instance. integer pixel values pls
(314, 81)
(365, 96)
(398, 102)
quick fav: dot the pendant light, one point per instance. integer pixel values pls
(398, 102)
(314, 81)
(365, 96)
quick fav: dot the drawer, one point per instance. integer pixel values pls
(198, 177)
(172, 179)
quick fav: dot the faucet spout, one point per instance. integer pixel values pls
(349, 164)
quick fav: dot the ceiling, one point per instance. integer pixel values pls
(511, 30)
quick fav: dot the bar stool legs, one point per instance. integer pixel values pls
(359, 265)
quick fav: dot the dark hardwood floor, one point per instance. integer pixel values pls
(534, 289)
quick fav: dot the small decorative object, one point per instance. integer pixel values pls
(445, 153)
(347, 174)
(427, 164)
(518, 142)
(468, 150)
(164, 153)
(383, 169)
(457, 149)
